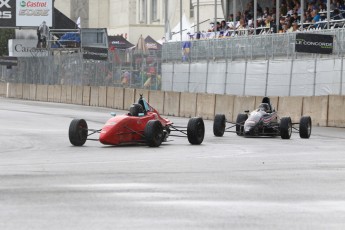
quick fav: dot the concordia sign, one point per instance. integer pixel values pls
(25, 13)
(314, 43)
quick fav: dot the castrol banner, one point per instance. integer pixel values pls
(33, 12)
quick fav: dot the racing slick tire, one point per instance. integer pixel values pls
(219, 125)
(305, 127)
(153, 133)
(77, 132)
(285, 127)
(241, 118)
(196, 130)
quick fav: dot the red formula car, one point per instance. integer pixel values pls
(142, 124)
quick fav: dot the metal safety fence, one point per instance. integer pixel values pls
(124, 68)
(265, 46)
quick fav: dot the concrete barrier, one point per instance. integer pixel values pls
(77, 94)
(243, 103)
(57, 93)
(171, 103)
(26, 91)
(11, 90)
(42, 93)
(336, 111)
(291, 107)
(94, 96)
(3, 89)
(33, 92)
(205, 106)
(157, 100)
(317, 109)
(63, 98)
(225, 105)
(119, 98)
(129, 98)
(110, 97)
(102, 96)
(188, 105)
(68, 94)
(19, 91)
(50, 97)
(86, 95)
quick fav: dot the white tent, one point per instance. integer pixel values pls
(186, 28)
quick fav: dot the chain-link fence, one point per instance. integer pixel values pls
(266, 46)
(125, 68)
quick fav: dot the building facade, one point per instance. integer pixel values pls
(133, 18)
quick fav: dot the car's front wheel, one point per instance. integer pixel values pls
(241, 118)
(285, 127)
(153, 133)
(78, 132)
(219, 125)
(305, 127)
(196, 130)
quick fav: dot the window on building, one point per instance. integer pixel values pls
(191, 9)
(154, 9)
(142, 11)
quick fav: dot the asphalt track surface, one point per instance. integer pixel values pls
(226, 183)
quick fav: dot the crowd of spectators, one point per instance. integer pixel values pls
(315, 12)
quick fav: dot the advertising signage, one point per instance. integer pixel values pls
(26, 13)
(314, 43)
(7, 13)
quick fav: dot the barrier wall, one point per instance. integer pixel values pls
(94, 94)
(129, 97)
(102, 96)
(156, 98)
(225, 105)
(188, 105)
(77, 95)
(336, 111)
(291, 107)
(33, 91)
(317, 109)
(205, 105)
(324, 110)
(241, 104)
(3, 89)
(171, 103)
(292, 77)
(119, 98)
(110, 97)
(86, 95)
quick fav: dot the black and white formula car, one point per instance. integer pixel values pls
(263, 121)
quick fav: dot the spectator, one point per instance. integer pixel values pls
(295, 27)
(186, 50)
(39, 39)
(125, 79)
(223, 25)
(316, 16)
(294, 18)
(44, 31)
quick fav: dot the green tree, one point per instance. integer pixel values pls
(5, 35)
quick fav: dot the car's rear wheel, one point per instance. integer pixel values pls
(305, 127)
(219, 125)
(153, 133)
(241, 118)
(285, 127)
(196, 130)
(78, 132)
